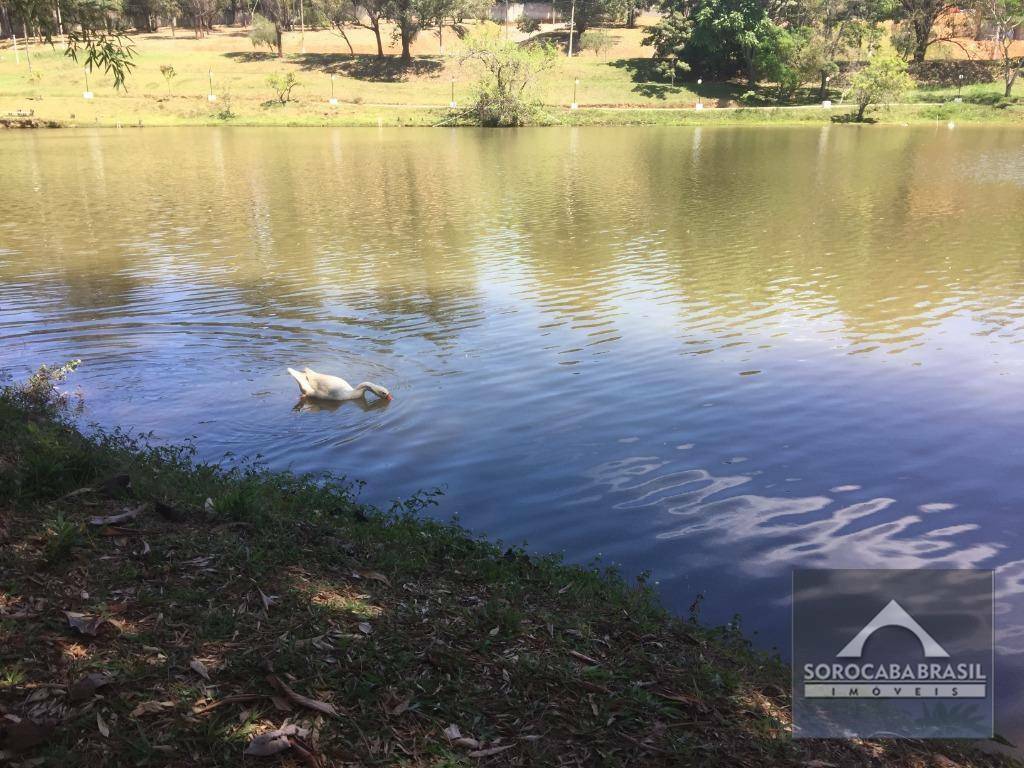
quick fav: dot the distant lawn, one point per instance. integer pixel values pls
(380, 91)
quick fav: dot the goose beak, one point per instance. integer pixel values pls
(388, 397)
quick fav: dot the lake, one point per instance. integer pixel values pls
(710, 353)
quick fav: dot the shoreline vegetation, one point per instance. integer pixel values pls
(159, 611)
(174, 78)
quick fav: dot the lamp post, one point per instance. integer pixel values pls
(575, 85)
(827, 103)
(959, 85)
(210, 96)
(700, 104)
(333, 102)
(453, 104)
(86, 94)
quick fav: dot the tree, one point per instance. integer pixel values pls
(507, 72)
(588, 13)
(838, 29)
(916, 29)
(408, 17)
(279, 14)
(790, 58)
(717, 37)
(94, 38)
(883, 80)
(202, 13)
(169, 74)
(266, 33)
(365, 14)
(1004, 16)
(282, 83)
(596, 40)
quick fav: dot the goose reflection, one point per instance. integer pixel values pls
(310, 405)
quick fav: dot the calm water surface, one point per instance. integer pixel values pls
(711, 353)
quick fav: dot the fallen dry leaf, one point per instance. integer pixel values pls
(273, 742)
(151, 708)
(102, 725)
(268, 600)
(88, 685)
(123, 517)
(365, 627)
(400, 707)
(453, 732)
(303, 701)
(200, 669)
(584, 657)
(85, 623)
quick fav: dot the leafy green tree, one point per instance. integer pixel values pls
(409, 17)
(838, 28)
(883, 80)
(596, 40)
(670, 36)
(266, 33)
(94, 36)
(276, 14)
(282, 83)
(716, 37)
(1005, 16)
(507, 73)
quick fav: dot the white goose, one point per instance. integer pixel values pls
(324, 387)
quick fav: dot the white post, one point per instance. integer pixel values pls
(572, 25)
(60, 23)
(17, 56)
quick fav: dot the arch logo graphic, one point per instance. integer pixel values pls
(893, 653)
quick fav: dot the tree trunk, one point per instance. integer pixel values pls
(279, 38)
(406, 43)
(823, 90)
(922, 35)
(172, 27)
(1011, 78)
(376, 34)
(860, 111)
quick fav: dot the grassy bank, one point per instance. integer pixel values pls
(619, 87)
(154, 611)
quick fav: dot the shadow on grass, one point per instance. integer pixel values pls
(651, 82)
(250, 56)
(380, 69)
(851, 117)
